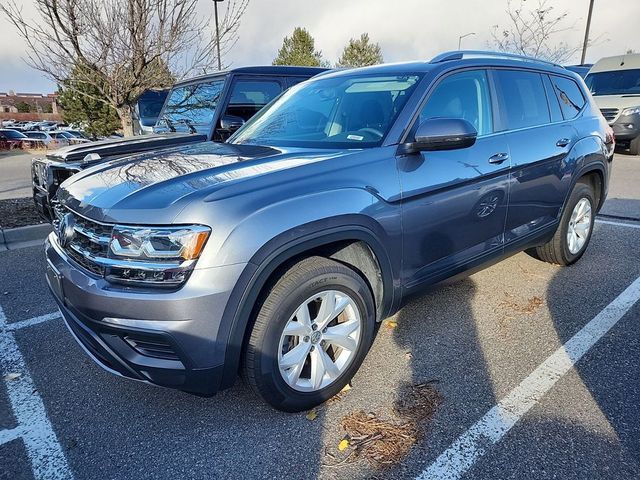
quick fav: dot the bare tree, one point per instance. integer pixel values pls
(533, 31)
(122, 47)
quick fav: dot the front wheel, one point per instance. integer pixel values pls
(310, 335)
(574, 231)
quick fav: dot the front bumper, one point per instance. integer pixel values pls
(174, 339)
(626, 127)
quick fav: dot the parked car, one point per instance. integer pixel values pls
(46, 126)
(76, 133)
(210, 107)
(581, 69)
(279, 251)
(615, 85)
(147, 110)
(46, 139)
(10, 139)
(68, 137)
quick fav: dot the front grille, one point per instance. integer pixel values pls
(87, 243)
(609, 114)
(39, 172)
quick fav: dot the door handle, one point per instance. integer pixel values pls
(563, 142)
(498, 158)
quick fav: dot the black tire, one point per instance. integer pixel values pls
(556, 250)
(634, 146)
(300, 282)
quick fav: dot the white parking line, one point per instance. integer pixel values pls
(454, 462)
(33, 321)
(617, 224)
(43, 449)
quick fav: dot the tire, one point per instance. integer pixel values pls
(634, 146)
(303, 284)
(558, 250)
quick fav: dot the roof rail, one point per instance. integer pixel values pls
(460, 54)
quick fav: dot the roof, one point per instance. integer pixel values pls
(455, 59)
(618, 62)
(284, 70)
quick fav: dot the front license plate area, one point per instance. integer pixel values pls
(55, 281)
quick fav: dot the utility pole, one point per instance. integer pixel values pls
(215, 12)
(586, 33)
(463, 36)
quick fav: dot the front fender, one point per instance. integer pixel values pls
(273, 235)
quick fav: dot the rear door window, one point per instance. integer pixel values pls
(524, 101)
(462, 95)
(569, 95)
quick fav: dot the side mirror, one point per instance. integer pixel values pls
(231, 123)
(442, 134)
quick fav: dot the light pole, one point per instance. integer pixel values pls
(586, 34)
(463, 36)
(215, 13)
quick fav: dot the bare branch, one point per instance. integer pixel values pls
(122, 47)
(533, 32)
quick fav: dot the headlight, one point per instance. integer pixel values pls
(159, 256)
(158, 243)
(631, 111)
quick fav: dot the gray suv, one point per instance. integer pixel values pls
(278, 252)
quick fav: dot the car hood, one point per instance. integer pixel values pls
(122, 146)
(131, 188)
(617, 101)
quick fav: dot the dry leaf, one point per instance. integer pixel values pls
(346, 388)
(343, 445)
(391, 324)
(12, 376)
(312, 415)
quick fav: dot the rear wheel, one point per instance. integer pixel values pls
(311, 334)
(574, 232)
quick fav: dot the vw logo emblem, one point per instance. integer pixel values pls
(65, 229)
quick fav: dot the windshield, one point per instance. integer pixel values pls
(343, 112)
(616, 82)
(13, 135)
(194, 104)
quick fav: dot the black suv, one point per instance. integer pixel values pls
(209, 107)
(278, 251)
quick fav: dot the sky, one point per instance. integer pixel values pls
(405, 29)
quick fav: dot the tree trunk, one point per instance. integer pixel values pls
(126, 118)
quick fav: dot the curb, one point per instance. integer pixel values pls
(21, 237)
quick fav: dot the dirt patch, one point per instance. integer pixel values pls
(385, 442)
(514, 306)
(18, 212)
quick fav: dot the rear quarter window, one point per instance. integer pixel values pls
(569, 95)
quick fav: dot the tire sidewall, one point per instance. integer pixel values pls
(579, 192)
(282, 396)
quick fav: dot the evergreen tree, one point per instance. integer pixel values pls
(360, 52)
(83, 104)
(23, 107)
(299, 49)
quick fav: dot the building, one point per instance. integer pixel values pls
(29, 106)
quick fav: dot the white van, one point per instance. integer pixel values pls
(615, 85)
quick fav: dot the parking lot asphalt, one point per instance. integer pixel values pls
(475, 343)
(15, 181)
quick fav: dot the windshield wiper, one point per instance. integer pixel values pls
(169, 123)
